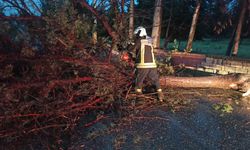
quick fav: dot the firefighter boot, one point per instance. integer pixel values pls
(139, 95)
(160, 95)
(138, 91)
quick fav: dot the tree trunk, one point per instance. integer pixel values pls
(231, 43)
(118, 17)
(232, 81)
(169, 23)
(122, 15)
(239, 28)
(94, 32)
(131, 19)
(156, 31)
(193, 27)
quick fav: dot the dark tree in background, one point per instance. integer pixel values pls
(131, 19)
(217, 18)
(244, 5)
(156, 31)
(193, 26)
(167, 36)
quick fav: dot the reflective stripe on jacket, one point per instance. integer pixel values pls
(145, 56)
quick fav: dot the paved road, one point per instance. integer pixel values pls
(195, 127)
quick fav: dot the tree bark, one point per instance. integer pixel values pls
(156, 31)
(94, 32)
(232, 81)
(131, 19)
(231, 43)
(115, 7)
(122, 15)
(193, 27)
(239, 28)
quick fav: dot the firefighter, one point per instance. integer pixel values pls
(145, 62)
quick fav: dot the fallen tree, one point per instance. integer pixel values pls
(239, 82)
(45, 94)
(43, 97)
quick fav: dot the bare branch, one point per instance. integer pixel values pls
(23, 18)
(102, 18)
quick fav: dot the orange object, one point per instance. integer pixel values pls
(125, 57)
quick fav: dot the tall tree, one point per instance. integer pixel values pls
(94, 32)
(168, 27)
(131, 19)
(193, 26)
(239, 27)
(231, 43)
(156, 31)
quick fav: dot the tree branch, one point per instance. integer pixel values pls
(21, 18)
(101, 18)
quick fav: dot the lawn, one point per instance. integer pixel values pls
(214, 47)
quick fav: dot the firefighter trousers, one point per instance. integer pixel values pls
(151, 73)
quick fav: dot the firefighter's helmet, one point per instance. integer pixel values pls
(140, 30)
